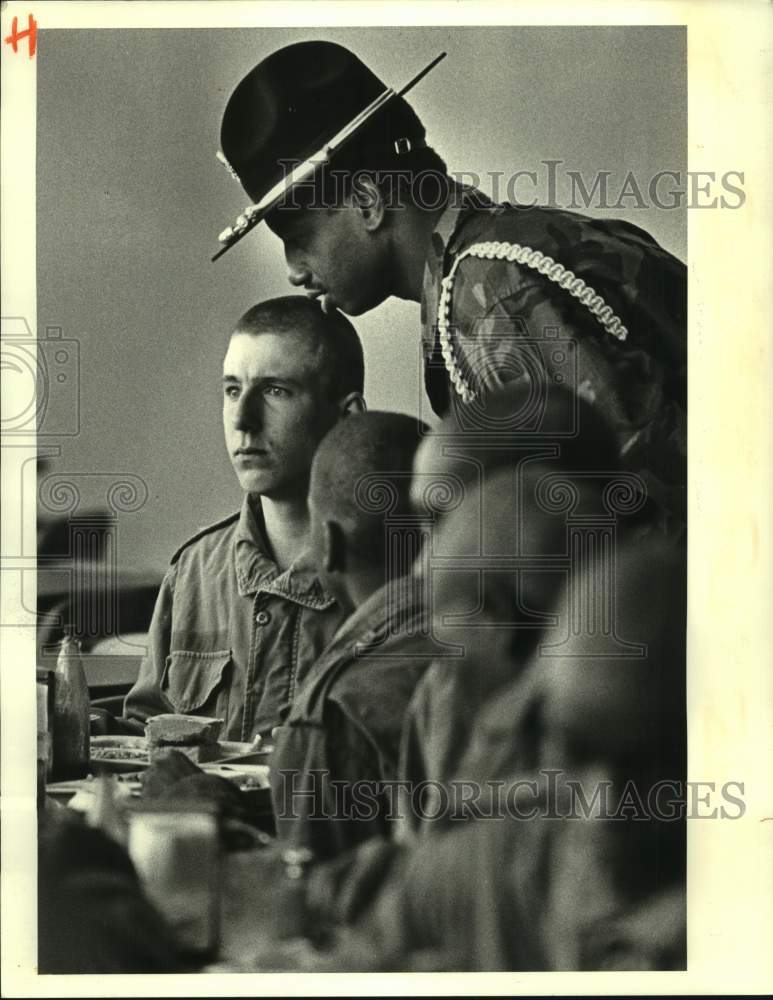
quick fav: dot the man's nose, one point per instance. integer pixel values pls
(247, 414)
(297, 272)
(298, 275)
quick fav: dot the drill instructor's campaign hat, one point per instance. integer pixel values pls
(294, 111)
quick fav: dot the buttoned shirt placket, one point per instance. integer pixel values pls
(257, 574)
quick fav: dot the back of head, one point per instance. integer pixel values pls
(484, 598)
(618, 688)
(362, 474)
(509, 426)
(605, 687)
(614, 724)
(338, 347)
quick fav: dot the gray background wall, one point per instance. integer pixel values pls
(131, 198)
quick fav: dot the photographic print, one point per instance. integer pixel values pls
(376, 511)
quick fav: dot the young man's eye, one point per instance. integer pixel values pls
(231, 391)
(277, 391)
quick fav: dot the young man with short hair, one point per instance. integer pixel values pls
(242, 615)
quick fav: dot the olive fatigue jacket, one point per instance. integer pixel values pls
(231, 636)
(341, 740)
(509, 322)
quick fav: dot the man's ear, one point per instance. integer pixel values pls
(333, 547)
(369, 202)
(353, 403)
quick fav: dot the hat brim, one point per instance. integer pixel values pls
(253, 215)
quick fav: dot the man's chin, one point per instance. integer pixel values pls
(354, 308)
(256, 483)
(270, 488)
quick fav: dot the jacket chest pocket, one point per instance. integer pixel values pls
(196, 683)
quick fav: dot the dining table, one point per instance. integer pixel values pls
(245, 871)
(248, 894)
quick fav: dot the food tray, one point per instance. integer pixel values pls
(122, 754)
(118, 754)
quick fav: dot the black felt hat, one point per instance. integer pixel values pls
(296, 109)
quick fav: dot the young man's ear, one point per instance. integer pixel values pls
(369, 202)
(353, 403)
(333, 548)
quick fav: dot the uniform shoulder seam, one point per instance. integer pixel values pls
(224, 523)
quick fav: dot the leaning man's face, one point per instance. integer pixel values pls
(329, 254)
(274, 411)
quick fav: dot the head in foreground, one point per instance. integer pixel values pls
(360, 489)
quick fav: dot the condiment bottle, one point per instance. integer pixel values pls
(71, 713)
(45, 714)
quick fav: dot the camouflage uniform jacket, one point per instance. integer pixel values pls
(614, 329)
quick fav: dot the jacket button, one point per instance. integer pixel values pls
(262, 618)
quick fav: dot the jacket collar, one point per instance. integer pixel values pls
(256, 571)
(393, 604)
(464, 199)
(392, 607)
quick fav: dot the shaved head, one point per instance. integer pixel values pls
(633, 702)
(619, 719)
(479, 601)
(569, 433)
(362, 470)
(332, 336)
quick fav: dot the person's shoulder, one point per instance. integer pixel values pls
(491, 231)
(512, 252)
(375, 688)
(359, 678)
(310, 703)
(209, 536)
(511, 232)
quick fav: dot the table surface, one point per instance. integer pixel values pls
(251, 880)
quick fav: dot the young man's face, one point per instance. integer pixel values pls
(275, 411)
(330, 254)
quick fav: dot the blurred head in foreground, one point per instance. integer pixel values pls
(508, 430)
(611, 728)
(360, 480)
